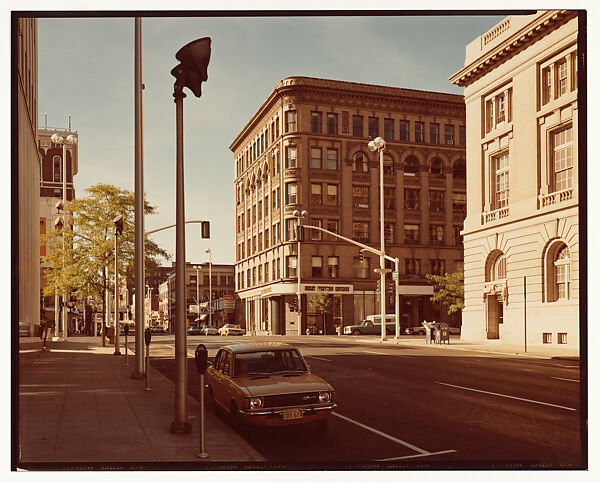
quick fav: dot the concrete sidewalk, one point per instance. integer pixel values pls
(79, 404)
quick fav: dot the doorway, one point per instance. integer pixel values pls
(495, 316)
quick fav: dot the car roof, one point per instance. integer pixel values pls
(258, 346)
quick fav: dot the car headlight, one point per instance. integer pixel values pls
(324, 397)
(256, 402)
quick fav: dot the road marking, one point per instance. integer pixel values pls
(378, 353)
(376, 431)
(507, 396)
(320, 358)
(417, 455)
(563, 379)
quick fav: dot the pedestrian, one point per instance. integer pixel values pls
(44, 325)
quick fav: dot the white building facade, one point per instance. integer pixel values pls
(521, 233)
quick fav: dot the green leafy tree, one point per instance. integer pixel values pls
(321, 303)
(81, 258)
(449, 290)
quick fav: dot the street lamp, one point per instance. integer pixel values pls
(209, 251)
(299, 215)
(197, 294)
(72, 141)
(378, 144)
(118, 222)
(190, 72)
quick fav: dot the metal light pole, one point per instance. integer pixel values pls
(299, 215)
(378, 144)
(72, 140)
(197, 292)
(209, 251)
(118, 222)
(191, 72)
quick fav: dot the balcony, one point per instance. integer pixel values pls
(556, 198)
(489, 216)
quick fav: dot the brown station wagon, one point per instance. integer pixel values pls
(268, 384)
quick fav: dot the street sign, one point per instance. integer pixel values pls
(382, 270)
(394, 275)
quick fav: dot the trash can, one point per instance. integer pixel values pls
(442, 334)
(110, 333)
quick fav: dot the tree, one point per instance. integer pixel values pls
(86, 263)
(449, 290)
(322, 303)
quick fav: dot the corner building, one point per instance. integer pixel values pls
(521, 232)
(306, 149)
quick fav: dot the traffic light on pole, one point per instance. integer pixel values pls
(361, 256)
(300, 233)
(193, 67)
(205, 229)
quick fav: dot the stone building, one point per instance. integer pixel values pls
(306, 149)
(521, 233)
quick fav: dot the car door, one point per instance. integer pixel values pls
(222, 387)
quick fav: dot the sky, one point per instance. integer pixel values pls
(86, 70)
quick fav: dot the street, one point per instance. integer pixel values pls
(409, 405)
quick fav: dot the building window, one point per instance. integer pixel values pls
(332, 266)
(290, 229)
(458, 238)
(57, 193)
(360, 196)
(332, 159)
(436, 167)
(332, 123)
(436, 200)
(291, 193)
(254, 276)
(316, 122)
(360, 162)
(563, 159)
(290, 156)
(360, 268)
(501, 180)
(388, 129)
(459, 202)
(317, 266)
(267, 239)
(373, 127)
(292, 264)
(546, 85)
(434, 133)
(316, 194)
(56, 169)
(248, 278)
(389, 198)
(438, 267)
(404, 131)
(419, 132)
(389, 230)
(561, 338)
(462, 136)
(334, 227)
(316, 235)
(266, 205)
(260, 274)
(412, 266)
(411, 234)
(449, 134)
(498, 109)
(459, 170)
(411, 199)
(360, 231)
(332, 194)
(316, 161)
(259, 210)
(388, 164)
(497, 269)
(547, 338)
(411, 166)
(436, 234)
(562, 264)
(561, 78)
(290, 121)
(357, 126)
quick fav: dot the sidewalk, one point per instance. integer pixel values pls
(79, 404)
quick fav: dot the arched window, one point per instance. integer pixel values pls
(496, 267)
(388, 164)
(459, 170)
(56, 169)
(360, 162)
(411, 166)
(436, 167)
(562, 275)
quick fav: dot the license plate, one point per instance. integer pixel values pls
(292, 413)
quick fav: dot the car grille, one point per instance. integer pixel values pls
(297, 399)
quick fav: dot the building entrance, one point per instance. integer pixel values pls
(495, 314)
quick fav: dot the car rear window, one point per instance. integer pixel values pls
(268, 362)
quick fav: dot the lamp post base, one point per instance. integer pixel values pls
(202, 455)
(117, 353)
(180, 427)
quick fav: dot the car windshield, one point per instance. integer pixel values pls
(268, 362)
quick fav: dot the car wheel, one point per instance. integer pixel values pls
(356, 332)
(421, 332)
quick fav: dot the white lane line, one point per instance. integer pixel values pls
(376, 431)
(563, 379)
(417, 455)
(320, 358)
(378, 353)
(507, 396)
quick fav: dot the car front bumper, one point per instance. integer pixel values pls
(274, 417)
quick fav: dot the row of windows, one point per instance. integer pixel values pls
(257, 147)
(558, 77)
(328, 267)
(390, 132)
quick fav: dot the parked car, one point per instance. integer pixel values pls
(157, 329)
(372, 326)
(194, 330)
(231, 329)
(210, 331)
(420, 330)
(268, 384)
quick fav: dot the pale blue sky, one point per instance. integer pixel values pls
(86, 70)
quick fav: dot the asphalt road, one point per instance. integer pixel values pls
(415, 407)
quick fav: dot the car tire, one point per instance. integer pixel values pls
(356, 332)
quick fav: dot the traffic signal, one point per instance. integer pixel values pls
(378, 285)
(193, 67)
(118, 222)
(300, 233)
(361, 256)
(205, 229)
